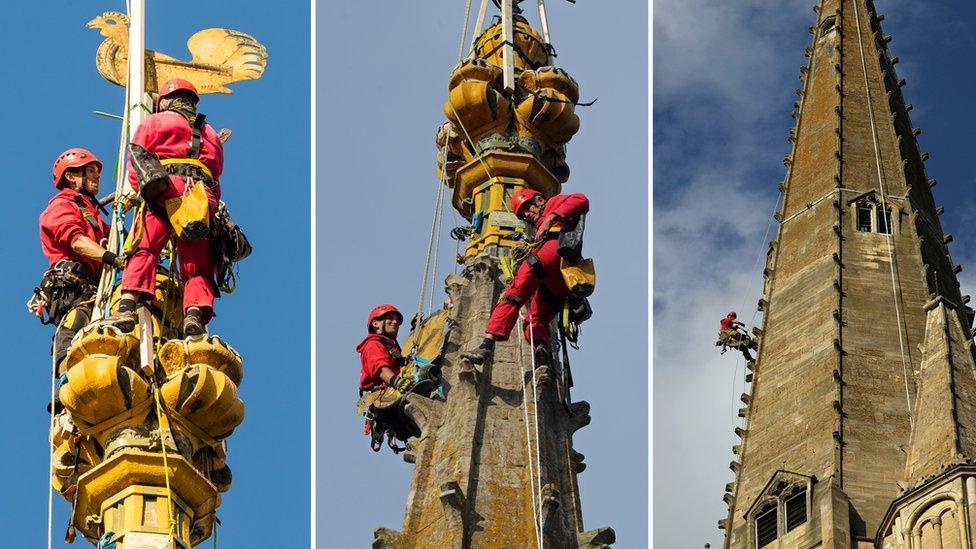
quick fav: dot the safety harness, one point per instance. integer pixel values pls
(67, 284)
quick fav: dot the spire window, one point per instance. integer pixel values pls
(779, 514)
(796, 507)
(766, 525)
(872, 217)
(827, 25)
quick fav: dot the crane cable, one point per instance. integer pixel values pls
(885, 213)
(535, 466)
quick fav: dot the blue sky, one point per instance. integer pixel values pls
(724, 77)
(51, 89)
(382, 83)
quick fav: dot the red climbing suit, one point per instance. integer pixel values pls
(63, 221)
(168, 135)
(526, 284)
(375, 353)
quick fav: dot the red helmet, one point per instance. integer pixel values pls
(522, 198)
(174, 85)
(72, 158)
(731, 314)
(380, 311)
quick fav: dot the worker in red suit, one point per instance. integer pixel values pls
(72, 233)
(538, 279)
(188, 150)
(731, 336)
(380, 355)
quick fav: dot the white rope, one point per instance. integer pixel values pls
(50, 431)
(538, 441)
(464, 30)
(438, 216)
(430, 244)
(528, 438)
(885, 212)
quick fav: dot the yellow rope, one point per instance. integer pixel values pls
(160, 416)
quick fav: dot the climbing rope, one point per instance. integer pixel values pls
(50, 490)
(160, 416)
(885, 214)
(536, 495)
(538, 441)
(431, 251)
(438, 216)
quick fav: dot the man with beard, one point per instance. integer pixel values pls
(71, 238)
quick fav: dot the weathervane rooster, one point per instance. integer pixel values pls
(220, 57)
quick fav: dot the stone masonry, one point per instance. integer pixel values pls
(475, 477)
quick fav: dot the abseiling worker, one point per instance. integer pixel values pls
(730, 335)
(175, 163)
(72, 233)
(379, 353)
(538, 280)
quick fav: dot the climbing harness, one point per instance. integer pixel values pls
(66, 285)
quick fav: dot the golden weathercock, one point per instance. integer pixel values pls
(140, 449)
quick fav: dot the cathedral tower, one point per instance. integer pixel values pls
(865, 335)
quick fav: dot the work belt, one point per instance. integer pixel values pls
(189, 167)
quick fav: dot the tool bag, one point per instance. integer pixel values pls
(580, 276)
(63, 287)
(230, 245)
(189, 214)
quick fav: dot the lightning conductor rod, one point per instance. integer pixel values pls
(137, 113)
(108, 115)
(544, 19)
(508, 38)
(479, 23)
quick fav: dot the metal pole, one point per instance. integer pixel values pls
(137, 113)
(544, 19)
(508, 36)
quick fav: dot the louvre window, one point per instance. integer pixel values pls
(884, 221)
(864, 217)
(796, 508)
(766, 527)
(873, 218)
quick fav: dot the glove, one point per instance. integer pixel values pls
(401, 383)
(110, 258)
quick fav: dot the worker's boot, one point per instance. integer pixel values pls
(124, 318)
(542, 353)
(482, 354)
(193, 323)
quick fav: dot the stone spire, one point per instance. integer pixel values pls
(494, 463)
(938, 505)
(944, 432)
(859, 252)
